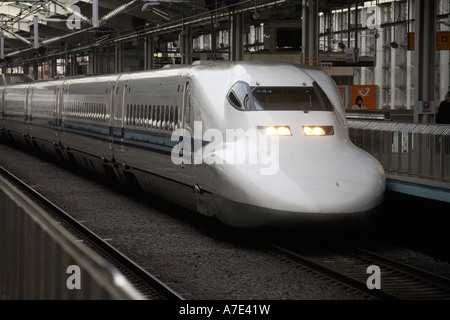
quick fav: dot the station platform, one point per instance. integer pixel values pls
(422, 188)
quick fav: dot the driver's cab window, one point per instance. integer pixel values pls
(240, 96)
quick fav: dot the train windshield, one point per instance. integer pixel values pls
(244, 97)
(289, 98)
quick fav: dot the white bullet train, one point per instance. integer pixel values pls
(172, 131)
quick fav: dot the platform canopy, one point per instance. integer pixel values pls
(62, 24)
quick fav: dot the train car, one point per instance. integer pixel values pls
(251, 143)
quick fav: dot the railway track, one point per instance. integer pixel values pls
(349, 266)
(149, 285)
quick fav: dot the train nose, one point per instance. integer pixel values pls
(329, 195)
(333, 185)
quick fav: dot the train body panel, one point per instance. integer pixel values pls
(85, 116)
(15, 110)
(203, 137)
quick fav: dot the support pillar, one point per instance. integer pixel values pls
(118, 57)
(92, 61)
(310, 32)
(95, 21)
(444, 83)
(54, 69)
(425, 52)
(149, 52)
(2, 44)
(186, 45)
(236, 43)
(36, 32)
(213, 38)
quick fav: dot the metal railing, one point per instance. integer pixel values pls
(39, 259)
(410, 149)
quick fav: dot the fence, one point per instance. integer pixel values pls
(39, 259)
(411, 149)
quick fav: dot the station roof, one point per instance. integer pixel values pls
(66, 24)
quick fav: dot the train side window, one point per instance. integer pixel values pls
(150, 114)
(128, 115)
(323, 97)
(147, 116)
(171, 119)
(143, 115)
(164, 116)
(234, 100)
(131, 116)
(139, 123)
(127, 121)
(168, 119)
(153, 116)
(158, 117)
(138, 115)
(176, 117)
(240, 96)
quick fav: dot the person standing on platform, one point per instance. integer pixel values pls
(443, 115)
(359, 104)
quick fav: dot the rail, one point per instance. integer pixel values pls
(39, 259)
(406, 149)
(368, 115)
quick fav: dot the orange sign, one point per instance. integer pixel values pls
(367, 93)
(442, 40)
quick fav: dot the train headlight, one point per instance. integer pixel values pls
(276, 130)
(318, 130)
